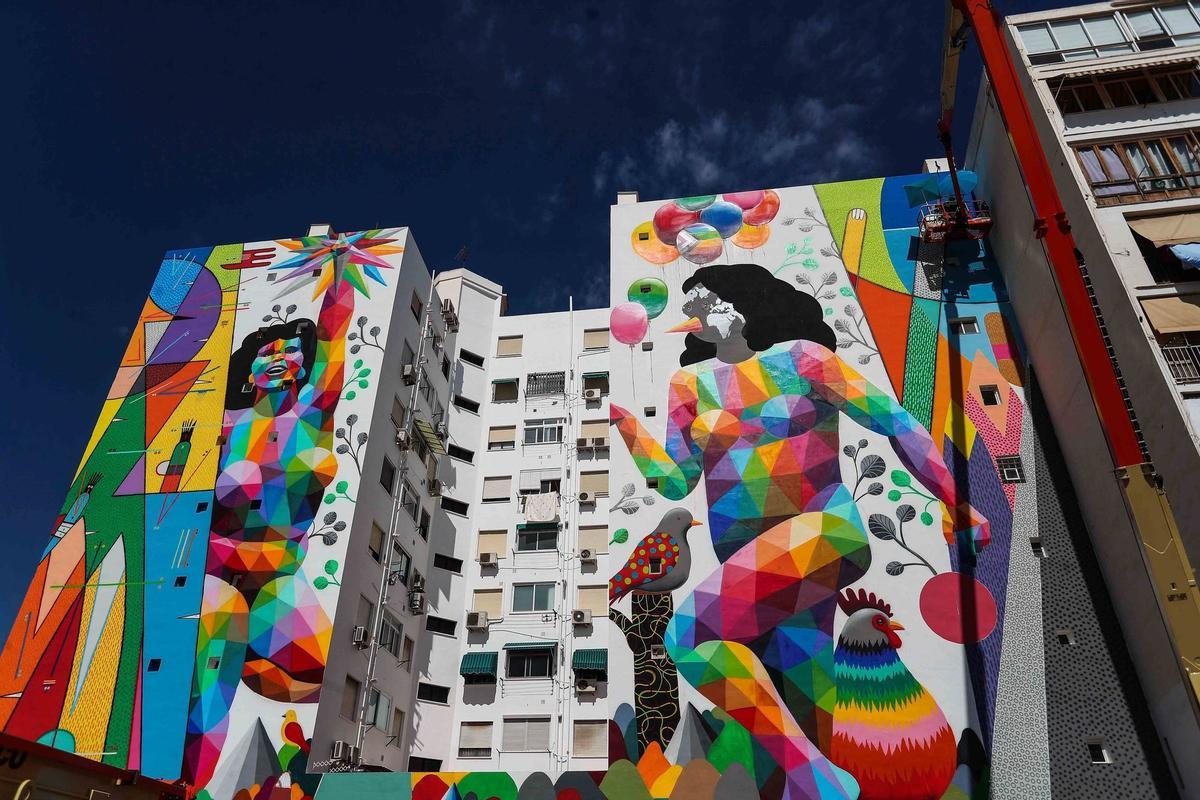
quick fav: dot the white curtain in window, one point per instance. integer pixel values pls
(497, 487)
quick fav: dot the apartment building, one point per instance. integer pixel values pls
(1114, 90)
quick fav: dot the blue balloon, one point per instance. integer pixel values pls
(724, 216)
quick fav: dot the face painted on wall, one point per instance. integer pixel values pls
(278, 365)
(712, 319)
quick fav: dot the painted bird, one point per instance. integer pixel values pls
(661, 561)
(888, 731)
(293, 734)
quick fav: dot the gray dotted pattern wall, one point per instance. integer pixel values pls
(1091, 687)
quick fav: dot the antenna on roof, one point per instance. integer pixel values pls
(463, 254)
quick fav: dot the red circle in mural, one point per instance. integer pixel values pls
(958, 608)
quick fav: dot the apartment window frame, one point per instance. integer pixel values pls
(387, 476)
(442, 626)
(491, 484)
(540, 537)
(416, 306)
(545, 384)
(391, 633)
(353, 700)
(598, 738)
(476, 751)
(508, 735)
(1132, 34)
(1010, 468)
(536, 592)
(963, 326)
(501, 388)
(453, 505)
(530, 664)
(1075, 94)
(590, 337)
(466, 404)
(448, 563)
(1114, 168)
(460, 453)
(989, 395)
(435, 690)
(423, 764)
(494, 444)
(507, 350)
(543, 431)
(378, 701)
(470, 357)
(599, 382)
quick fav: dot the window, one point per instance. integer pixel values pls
(540, 481)
(1097, 752)
(505, 390)
(526, 735)
(590, 738)
(417, 306)
(509, 345)
(594, 538)
(379, 709)
(655, 567)
(391, 634)
(375, 544)
(493, 542)
(651, 483)
(595, 339)
(502, 437)
(595, 382)
(475, 740)
(401, 563)
(410, 501)
(422, 764)
(406, 652)
(1074, 39)
(545, 384)
(536, 540)
(455, 506)
(423, 525)
(350, 698)
(1010, 469)
(963, 326)
(531, 663)
(397, 415)
(153, 665)
(990, 395)
(497, 488)
(594, 599)
(387, 475)
(1139, 170)
(1181, 351)
(650, 411)
(466, 404)
(595, 431)
(445, 366)
(180, 581)
(461, 453)
(1064, 636)
(1134, 87)
(474, 359)
(595, 483)
(440, 625)
(1035, 544)
(432, 692)
(658, 652)
(489, 601)
(528, 597)
(544, 431)
(364, 612)
(407, 354)
(397, 730)
(448, 563)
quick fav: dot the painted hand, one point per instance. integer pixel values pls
(616, 413)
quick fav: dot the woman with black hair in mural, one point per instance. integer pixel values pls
(755, 408)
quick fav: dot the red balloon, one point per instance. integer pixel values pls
(765, 211)
(958, 608)
(670, 219)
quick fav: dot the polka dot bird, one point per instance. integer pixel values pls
(661, 561)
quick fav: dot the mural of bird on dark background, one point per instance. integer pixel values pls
(661, 561)
(888, 731)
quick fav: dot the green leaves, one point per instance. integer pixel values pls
(620, 536)
(321, 582)
(331, 567)
(926, 518)
(901, 478)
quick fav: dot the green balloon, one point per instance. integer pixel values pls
(696, 203)
(650, 294)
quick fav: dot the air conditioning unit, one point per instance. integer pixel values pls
(441, 430)
(402, 440)
(416, 601)
(358, 637)
(477, 620)
(585, 686)
(586, 497)
(409, 374)
(600, 441)
(591, 394)
(438, 344)
(449, 316)
(344, 753)
(487, 559)
(587, 556)
(582, 443)
(436, 487)
(581, 616)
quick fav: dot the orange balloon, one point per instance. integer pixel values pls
(751, 236)
(647, 245)
(765, 211)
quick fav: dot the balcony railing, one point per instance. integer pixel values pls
(1184, 362)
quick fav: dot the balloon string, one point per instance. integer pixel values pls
(632, 374)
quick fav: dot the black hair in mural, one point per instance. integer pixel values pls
(239, 393)
(775, 310)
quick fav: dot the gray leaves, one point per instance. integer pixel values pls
(905, 513)
(881, 527)
(872, 466)
(628, 509)
(850, 450)
(840, 326)
(875, 489)
(330, 518)
(627, 490)
(894, 568)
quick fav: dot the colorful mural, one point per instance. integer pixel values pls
(176, 623)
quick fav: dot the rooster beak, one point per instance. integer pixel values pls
(693, 325)
(896, 626)
(694, 523)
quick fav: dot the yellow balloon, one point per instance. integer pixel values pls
(751, 236)
(647, 245)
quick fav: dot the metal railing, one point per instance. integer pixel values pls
(1184, 362)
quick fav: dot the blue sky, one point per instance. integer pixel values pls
(508, 128)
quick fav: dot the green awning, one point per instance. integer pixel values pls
(587, 375)
(479, 663)
(537, 526)
(430, 437)
(505, 380)
(529, 646)
(590, 660)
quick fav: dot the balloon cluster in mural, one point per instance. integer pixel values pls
(697, 228)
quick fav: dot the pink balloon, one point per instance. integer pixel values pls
(628, 323)
(670, 219)
(744, 200)
(764, 211)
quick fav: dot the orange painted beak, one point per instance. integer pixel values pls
(695, 522)
(896, 626)
(693, 325)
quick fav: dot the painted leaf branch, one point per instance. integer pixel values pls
(851, 334)
(866, 469)
(883, 528)
(329, 529)
(352, 444)
(359, 378)
(280, 314)
(360, 338)
(629, 503)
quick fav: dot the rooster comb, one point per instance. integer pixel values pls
(851, 602)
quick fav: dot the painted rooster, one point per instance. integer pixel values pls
(888, 731)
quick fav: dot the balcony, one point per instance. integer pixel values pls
(1184, 363)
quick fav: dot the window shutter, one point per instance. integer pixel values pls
(591, 739)
(502, 434)
(494, 542)
(366, 609)
(531, 479)
(397, 412)
(594, 538)
(509, 346)
(594, 482)
(595, 339)
(513, 739)
(594, 599)
(350, 698)
(488, 600)
(594, 429)
(377, 535)
(475, 735)
(497, 487)
(537, 736)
